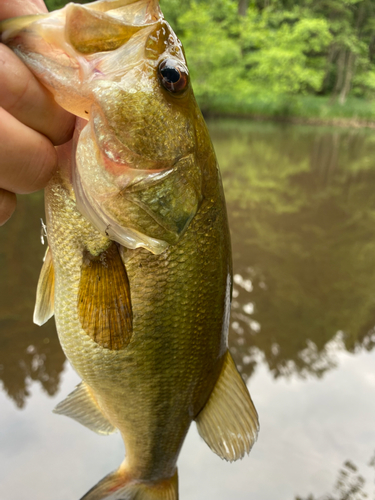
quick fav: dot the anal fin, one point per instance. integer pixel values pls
(44, 304)
(229, 421)
(81, 406)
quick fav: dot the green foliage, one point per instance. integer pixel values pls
(214, 57)
(59, 4)
(264, 53)
(350, 485)
(172, 9)
(278, 50)
(262, 56)
(278, 60)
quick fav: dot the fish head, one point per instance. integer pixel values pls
(140, 138)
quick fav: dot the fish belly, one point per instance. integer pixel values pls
(153, 388)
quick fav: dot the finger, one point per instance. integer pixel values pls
(8, 202)
(21, 8)
(27, 158)
(27, 100)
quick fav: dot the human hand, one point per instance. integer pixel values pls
(31, 122)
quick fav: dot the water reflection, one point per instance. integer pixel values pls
(302, 206)
(27, 352)
(350, 484)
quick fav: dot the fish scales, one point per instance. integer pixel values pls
(138, 270)
(163, 307)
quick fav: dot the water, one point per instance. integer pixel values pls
(301, 205)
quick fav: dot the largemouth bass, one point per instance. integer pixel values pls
(138, 268)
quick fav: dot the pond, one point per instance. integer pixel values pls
(301, 204)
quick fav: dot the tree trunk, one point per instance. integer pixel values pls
(348, 78)
(330, 58)
(340, 73)
(242, 7)
(351, 58)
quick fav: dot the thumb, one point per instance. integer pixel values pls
(14, 8)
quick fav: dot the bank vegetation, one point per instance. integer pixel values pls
(304, 60)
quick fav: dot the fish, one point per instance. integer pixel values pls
(138, 269)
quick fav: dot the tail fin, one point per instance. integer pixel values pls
(119, 486)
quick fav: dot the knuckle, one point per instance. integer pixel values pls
(15, 78)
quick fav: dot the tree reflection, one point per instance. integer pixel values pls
(350, 485)
(302, 207)
(27, 352)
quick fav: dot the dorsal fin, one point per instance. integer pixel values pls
(104, 304)
(44, 304)
(229, 421)
(90, 32)
(81, 406)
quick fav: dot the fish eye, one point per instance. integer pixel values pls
(173, 76)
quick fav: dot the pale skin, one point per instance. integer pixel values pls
(31, 123)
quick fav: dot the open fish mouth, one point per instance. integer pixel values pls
(108, 25)
(118, 66)
(106, 19)
(70, 47)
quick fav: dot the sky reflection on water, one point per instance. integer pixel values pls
(302, 214)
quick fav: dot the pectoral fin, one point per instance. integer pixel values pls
(229, 421)
(81, 406)
(104, 303)
(44, 305)
(90, 32)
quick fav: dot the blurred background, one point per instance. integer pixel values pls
(307, 60)
(299, 186)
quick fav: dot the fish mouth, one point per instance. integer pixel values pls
(82, 53)
(130, 12)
